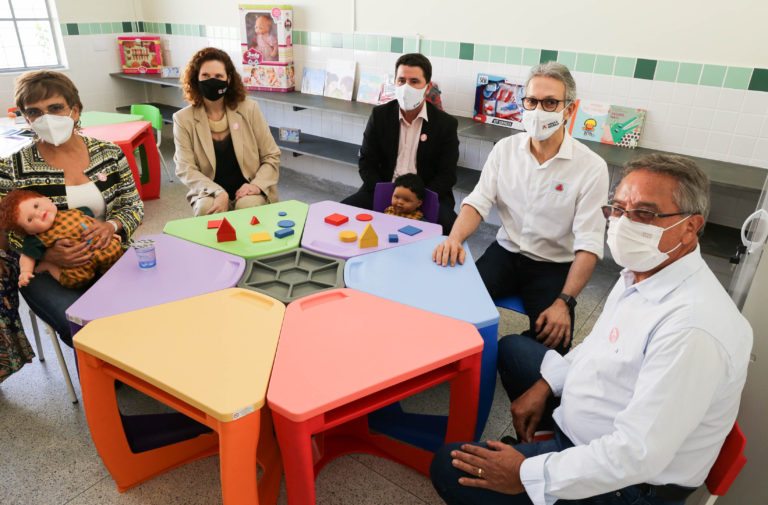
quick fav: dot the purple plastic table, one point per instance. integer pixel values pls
(184, 269)
(322, 237)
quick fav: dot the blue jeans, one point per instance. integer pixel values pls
(50, 300)
(445, 478)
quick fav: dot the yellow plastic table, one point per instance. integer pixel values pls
(210, 358)
(195, 229)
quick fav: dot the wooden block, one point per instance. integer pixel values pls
(336, 219)
(226, 232)
(214, 223)
(348, 236)
(368, 238)
(261, 237)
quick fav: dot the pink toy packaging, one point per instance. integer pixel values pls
(141, 55)
(497, 101)
(267, 49)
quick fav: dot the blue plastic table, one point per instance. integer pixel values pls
(407, 275)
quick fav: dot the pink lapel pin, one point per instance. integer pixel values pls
(614, 335)
(423, 137)
(101, 176)
(235, 126)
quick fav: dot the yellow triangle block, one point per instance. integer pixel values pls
(260, 237)
(368, 238)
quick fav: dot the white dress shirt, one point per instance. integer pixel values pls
(408, 143)
(653, 390)
(548, 211)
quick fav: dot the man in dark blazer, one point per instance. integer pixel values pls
(398, 128)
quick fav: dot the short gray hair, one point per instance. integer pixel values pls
(557, 71)
(692, 191)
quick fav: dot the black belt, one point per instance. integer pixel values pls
(671, 492)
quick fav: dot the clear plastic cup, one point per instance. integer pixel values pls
(145, 253)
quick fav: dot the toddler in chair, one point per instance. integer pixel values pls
(407, 197)
(31, 214)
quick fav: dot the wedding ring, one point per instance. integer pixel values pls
(480, 472)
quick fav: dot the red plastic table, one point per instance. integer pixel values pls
(129, 137)
(344, 353)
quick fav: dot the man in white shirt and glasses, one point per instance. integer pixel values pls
(547, 188)
(649, 396)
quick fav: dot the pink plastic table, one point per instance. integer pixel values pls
(183, 270)
(129, 137)
(322, 237)
(344, 353)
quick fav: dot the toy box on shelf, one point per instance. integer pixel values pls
(141, 55)
(267, 47)
(497, 101)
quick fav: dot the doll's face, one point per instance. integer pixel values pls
(404, 200)
(263, 25)
(36, 215)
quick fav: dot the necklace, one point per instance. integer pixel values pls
(218, 126)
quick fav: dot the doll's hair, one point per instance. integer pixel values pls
(9, 208)
(412, 182)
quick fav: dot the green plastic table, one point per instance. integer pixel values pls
(195, 229)
(98, 118)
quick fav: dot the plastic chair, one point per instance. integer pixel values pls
(152, 114)
(727, 466)
(57, 347)
(513, 302)
(382, 198)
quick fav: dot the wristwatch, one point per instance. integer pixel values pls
(568, 299)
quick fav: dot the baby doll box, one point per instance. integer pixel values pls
(141, 55)
(267, 47)
(497, 102)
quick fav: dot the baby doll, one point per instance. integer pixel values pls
(263, 39)
(407, 197)
(31, 214)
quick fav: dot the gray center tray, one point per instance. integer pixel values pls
(293, 274)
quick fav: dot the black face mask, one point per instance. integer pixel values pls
(212, 89)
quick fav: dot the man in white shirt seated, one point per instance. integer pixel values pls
(649, 396)
(548, 188)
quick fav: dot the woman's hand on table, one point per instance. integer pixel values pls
(68, 253)
(99, 233)
(220, 204)
(247, 190)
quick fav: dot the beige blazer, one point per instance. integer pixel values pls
(255, 150)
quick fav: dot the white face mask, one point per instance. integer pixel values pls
(635, 246)
(409, 97)
(542, 124)
(53, 129)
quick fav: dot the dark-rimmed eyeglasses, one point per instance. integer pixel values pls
(644, 216)
(548, 104)
(56, 109)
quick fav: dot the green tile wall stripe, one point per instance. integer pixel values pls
(737, 77)
(466, 50)
(689, 73)
(712, 75)
(759, 80)
(745, 78)
(547, 55)
(644, 69)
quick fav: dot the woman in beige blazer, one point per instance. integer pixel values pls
(225, 152)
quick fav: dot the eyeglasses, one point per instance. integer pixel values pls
(644, 216)
(548, 104)
(56, 109)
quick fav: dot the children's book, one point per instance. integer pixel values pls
(339, 79)
(313, 81)
(609, 124)
(369, 88)
(388, 90)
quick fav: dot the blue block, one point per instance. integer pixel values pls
(282, 213)
(410, 230)
(283, 232)
(393, 237)
(286, 223)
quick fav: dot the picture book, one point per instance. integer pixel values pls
(589, 119)
(609, 124)
(313, 81)
(369, 88)
(339, 79)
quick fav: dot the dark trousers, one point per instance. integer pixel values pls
(49, 300)
(538, 283)
(364, 199)
(445, 478)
